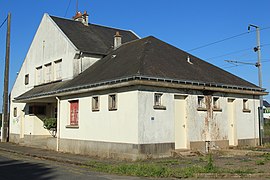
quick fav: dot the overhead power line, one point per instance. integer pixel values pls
(234, 52)
(67, 8)
(3, 23)
(225, 39)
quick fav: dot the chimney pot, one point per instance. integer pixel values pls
(117, 40)
(83, 18)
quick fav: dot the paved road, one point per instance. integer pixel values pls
(14, 166)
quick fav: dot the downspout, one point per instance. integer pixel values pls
(58, 124)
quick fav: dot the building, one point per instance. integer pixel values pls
(117, 95)
(266, 110)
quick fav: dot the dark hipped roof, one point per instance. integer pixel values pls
(93, 38)
(265, 103)
(147, 57)
(152, 57)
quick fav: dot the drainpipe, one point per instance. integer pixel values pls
(58, 124)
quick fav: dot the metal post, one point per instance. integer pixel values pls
(259, 66)
(4, 133)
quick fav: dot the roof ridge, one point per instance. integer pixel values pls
(99, 25)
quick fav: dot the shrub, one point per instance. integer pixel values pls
(49, 123)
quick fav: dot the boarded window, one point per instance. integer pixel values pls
(74, 110)
(26, 79)
(48, 72)
(112, 102)
(58, 69)
(95, 103)
(39, 77)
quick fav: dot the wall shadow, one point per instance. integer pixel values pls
(15, 169)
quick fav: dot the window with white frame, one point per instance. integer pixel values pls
(112, 102)
(95, 103)
(48, 72)
(58, 69)
(39, 77)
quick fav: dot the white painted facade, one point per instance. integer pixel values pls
(120, 126)
(178, 120)
(51, 57)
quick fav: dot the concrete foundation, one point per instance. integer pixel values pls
(123, 151)
(116, 150)
(204, 146)
(248, 142)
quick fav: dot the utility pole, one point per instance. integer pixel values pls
(259, 65)
(4, 130)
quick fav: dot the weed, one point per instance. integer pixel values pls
(210, 163)
(260, 162)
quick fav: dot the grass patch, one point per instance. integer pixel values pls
(260, 162)
(164, 168)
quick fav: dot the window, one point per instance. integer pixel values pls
(201, 103)
(74, 110)
(39, 78)
(58, 69)
(37, 110)
(216, 105)
(158, 101)
(15, 112)
(245, 106)
(112, 102)
(26, 79)
(95, 103)
(48, 72)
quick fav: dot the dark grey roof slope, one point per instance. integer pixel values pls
(265, 103)
(150, 58)
(154, 58)
(93, 38)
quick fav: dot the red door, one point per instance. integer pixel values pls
(74, 109)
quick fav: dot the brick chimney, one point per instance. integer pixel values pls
(117, 40)
(83, 18)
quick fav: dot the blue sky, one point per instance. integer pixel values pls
(184, 24)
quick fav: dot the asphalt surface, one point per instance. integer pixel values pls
(23, 165)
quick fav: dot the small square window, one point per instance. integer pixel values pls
(158, 101)
(112, 102)
(26, 79)
(215, 102)
(95, 103)
(245, 106)
(15, 112)
(200, 101)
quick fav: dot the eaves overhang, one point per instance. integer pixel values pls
(148, 81)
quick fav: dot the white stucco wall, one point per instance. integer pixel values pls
(157, 126)
(49, 45)
(108, 126)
